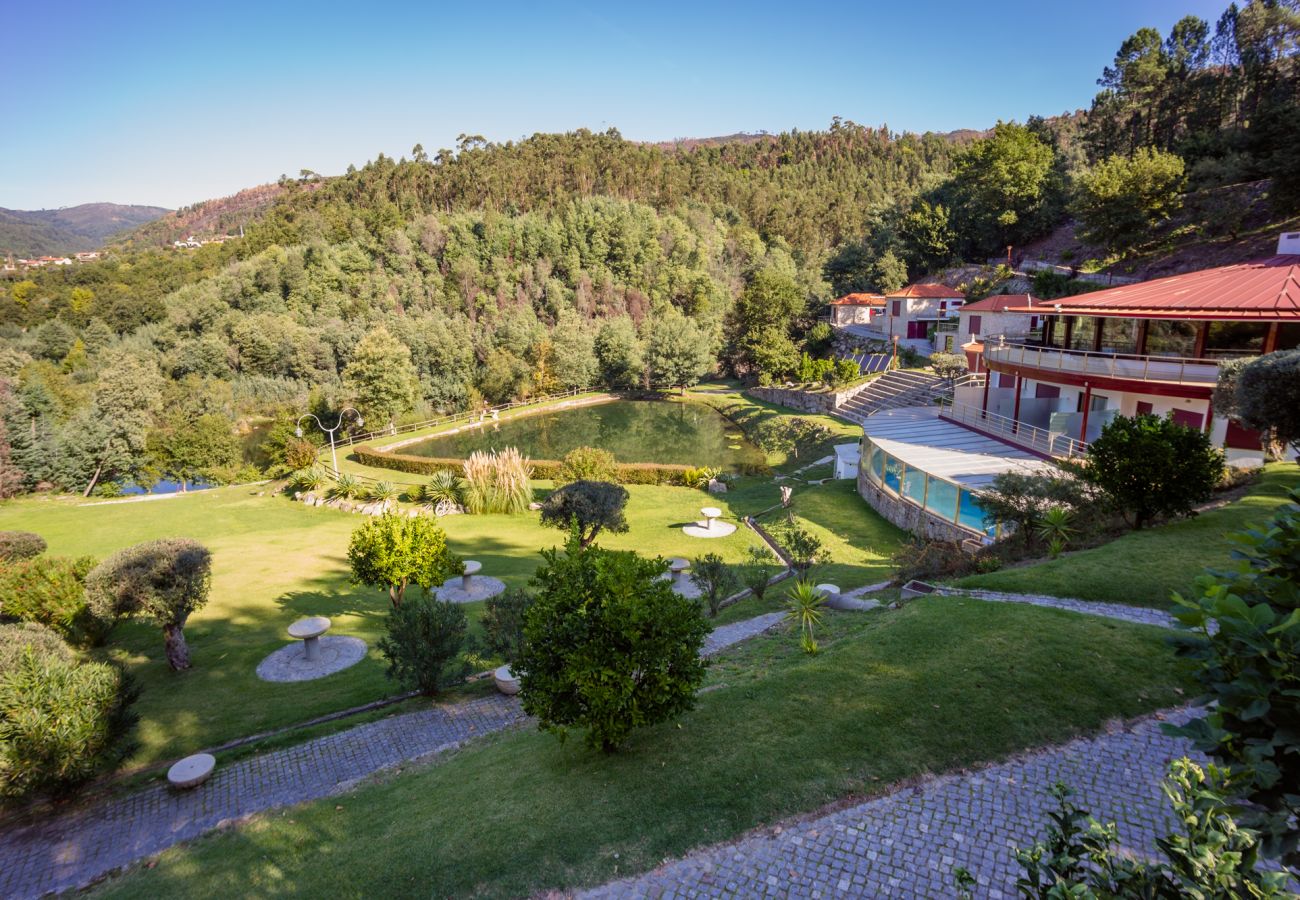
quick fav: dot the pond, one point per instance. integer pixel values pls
(635, 431)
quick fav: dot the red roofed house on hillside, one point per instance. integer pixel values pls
(997, 315)
(857, 309)
(1151, 347)
(915, 312)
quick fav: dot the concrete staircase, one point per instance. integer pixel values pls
(893, 390)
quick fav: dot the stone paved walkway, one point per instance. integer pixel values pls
(71, 850)
(1137, 614)
(907, 844)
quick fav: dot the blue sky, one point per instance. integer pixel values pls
(172, 103)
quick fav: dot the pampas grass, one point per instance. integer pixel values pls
(497, 482)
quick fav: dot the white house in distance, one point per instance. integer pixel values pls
(915, 312)
(990, 316)
(857, 309)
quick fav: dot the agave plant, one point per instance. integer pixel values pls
(346, 488)
(804, 604)
(308, 479)
(383, 491)
(444, 487)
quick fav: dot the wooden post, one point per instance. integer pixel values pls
(1202, 334)
(1087, 402)
(1142, 337)
(1097, 324)
(1270, 339)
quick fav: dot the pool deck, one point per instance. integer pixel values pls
(918, 437)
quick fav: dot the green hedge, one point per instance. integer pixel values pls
(627, 473)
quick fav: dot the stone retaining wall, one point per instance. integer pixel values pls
(908, 516)
(809, 401)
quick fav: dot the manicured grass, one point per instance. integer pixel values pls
(938, 685)
(275, 561)
(1143, 568)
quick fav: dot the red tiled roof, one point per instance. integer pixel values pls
(1265, 290)
(1002, 303)
(928, 290)
(859, 300)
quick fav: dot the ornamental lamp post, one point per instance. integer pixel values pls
(330, 431)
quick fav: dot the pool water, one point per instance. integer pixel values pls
(635, 431)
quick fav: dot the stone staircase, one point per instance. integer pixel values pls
(893, 390)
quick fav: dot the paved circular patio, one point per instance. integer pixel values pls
(481, 587)
(719, 529)
(290, 662)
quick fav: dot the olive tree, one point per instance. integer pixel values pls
(162, 581)
(1268, 396)
(393, 552)
(593, 505)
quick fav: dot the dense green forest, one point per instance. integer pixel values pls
(498, 271)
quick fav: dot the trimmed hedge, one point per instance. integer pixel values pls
(626, 473)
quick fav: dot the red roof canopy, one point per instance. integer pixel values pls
(1267, 290)
(1003, 303)
(859, 300)
(928, 290)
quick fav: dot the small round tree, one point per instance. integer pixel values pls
(608, 645)
(595, 505)
(1150, 466)
(425, 637)
(1268, 396)
(714, 578)
(393, 552)
(586, 464)
(162, 581)
(20, 545)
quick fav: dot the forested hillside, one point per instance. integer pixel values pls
(48, 231)
(499, 271)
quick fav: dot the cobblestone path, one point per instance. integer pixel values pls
(72, 849)
(906, 844)
(1137, 614)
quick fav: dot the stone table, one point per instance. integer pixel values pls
(309, 630)
(472, 568)
(710, 513)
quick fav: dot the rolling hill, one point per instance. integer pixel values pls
(72, 228)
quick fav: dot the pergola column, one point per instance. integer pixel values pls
(1087, 404)
(1015, 415)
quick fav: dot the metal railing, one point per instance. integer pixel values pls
(1040, 440)
(1129, 366)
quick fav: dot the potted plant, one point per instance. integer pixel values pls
(503, 628)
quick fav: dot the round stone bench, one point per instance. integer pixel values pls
(191, 771)
(309, 630)
(830, 590)
(472, 568)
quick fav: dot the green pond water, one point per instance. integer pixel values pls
(635, 431)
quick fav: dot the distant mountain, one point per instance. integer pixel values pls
(67, 230)
(209, 218)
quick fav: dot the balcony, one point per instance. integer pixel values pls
(1128, 366)
(1039, 440)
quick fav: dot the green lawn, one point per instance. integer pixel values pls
(1144, 567)
(275, 561)
(938, 685)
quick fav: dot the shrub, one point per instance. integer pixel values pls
(20, 545)
(699, 478)
(50, 590)
(846, 370)
(1149, 466)
(1242, 641)
(503, 622)
(162, 581)
(312, 479)
(348, 487)
(446, 487)
(927, 560)
(756, 572)
(586, 464)
(591, 506)
(392, 552)
(803, 548)
(804, 605)
(1266, 397)
(383, 492)
(608, 645)
(625, 473)
(1056, 528)
(497, 482)
(949, 366)
(715, 579)
(62, 722)
(1022, 499)
(424, 640)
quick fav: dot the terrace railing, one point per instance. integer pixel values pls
(1129, 366)
(1040, 440)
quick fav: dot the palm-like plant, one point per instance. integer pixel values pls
(804, 604)
(308, 479)
(1056, 528)
(444, 487)
(383, 491)
(346, 488)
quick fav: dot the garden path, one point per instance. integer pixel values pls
(71, 849)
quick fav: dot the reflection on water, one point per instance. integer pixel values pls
(633, 430)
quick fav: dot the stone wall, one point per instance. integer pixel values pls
(808, 401)
(908, 516)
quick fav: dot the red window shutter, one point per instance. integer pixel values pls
(975, 324)
(896, 308)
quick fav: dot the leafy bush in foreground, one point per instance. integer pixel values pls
(51, 590)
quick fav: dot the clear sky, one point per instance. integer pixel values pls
(171, 103)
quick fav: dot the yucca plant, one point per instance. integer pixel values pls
(346, 488)
(804, 604)
(308, 479)
(383, 491)
(1056, 528)
(444, 487)
(497, 482)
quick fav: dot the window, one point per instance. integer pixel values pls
(971, 514)
(896, 308)
(975, 322)
(893, 477)
(914, 486)
(1085, 329)
(1235, 338)
(1165, 338)
(1118, 335)
(941, 499)
(877, 462)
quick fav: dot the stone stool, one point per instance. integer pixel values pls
(309, 630)
(832, 591)
(710, 514)
(678, 567)
(471, 569)
(191, 771)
